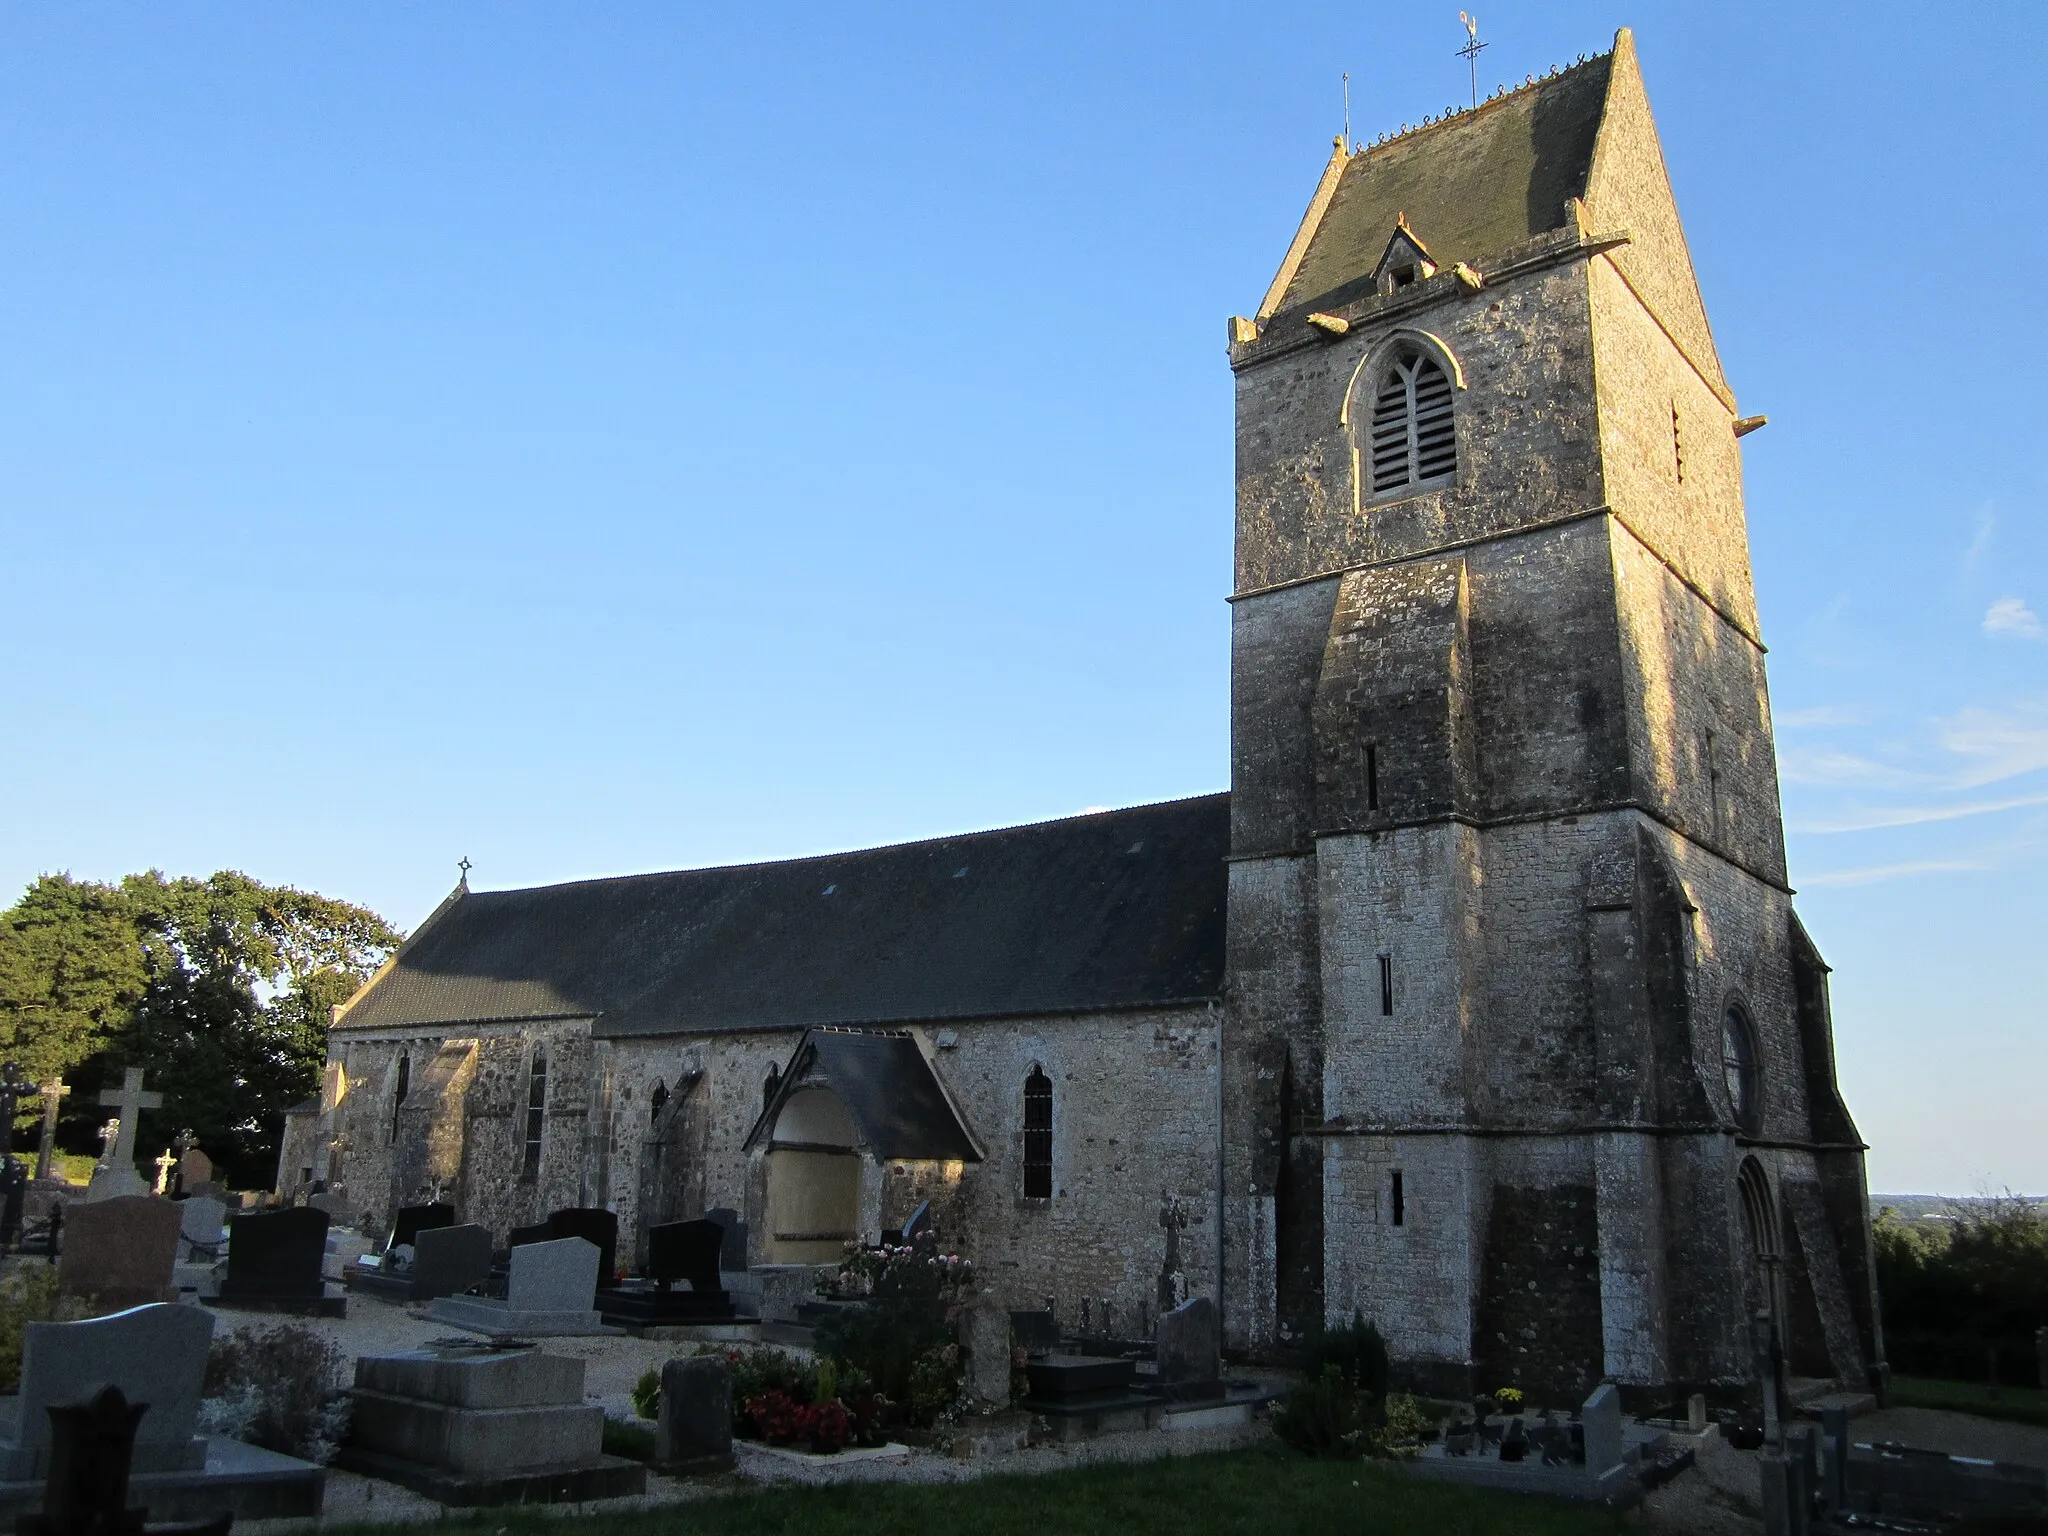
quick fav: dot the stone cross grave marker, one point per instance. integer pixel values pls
(164, 1164)
(54, 1093)
(131, 1101)
(154, 1354)
(121, 1251)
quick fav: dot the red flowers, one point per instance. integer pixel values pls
(780, 1419)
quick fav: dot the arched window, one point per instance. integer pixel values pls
(1739, 1070)
(1037, 1136)
(1414, 431)
(401, 1085)
(536, 1111)
(656, 1099)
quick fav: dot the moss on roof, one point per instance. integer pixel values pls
(1471, 186)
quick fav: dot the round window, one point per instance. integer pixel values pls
(1739, 1070)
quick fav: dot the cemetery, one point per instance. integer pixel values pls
(289, 1364)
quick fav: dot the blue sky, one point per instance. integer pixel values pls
(624, 436)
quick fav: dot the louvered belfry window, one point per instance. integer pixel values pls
(1037, 1136)
(1414, 435)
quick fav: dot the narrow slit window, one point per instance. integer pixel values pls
(1387, 986)
(1414, 427)
(402, 1087)
(1677, 445)
(1037, 1136)
(656, 1100)
(536, 1112)
(1372, 776)
(1397, 1199)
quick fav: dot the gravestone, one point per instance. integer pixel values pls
(683, 1252)
(1602, 1417)
(275, 1262)
(694, 1431)
(121, 1252)
(732, 1252)
(1190, 1351)
(1038, 1332)
(988, 1353)
(475, 1425)
(155, 1354)
(597, 1227)
(200, 1236)
(412, 1220)
(448, 1261)
(194, 1168)
(548, 1293)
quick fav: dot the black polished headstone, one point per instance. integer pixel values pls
(685, 1250)
(1038, 1333)
(276, 1256)
(732, 1253)
(448, 1261)
(539, 1232)
(593, 1226)
(412, 1220)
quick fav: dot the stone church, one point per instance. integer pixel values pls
(1478, 1004)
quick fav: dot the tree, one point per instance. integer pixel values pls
(218, 988)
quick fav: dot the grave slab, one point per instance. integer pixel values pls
(474, 1425)
(446, 1261)
(678, 1253)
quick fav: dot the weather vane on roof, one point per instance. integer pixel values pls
(1471, 51)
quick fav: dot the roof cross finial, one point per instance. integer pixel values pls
(1471, 51)
(465, 866)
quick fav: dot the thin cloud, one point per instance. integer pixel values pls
(1987, 524)
(2009, 618)
(2003, 744)
(1820, 715)
(1807, 765)
(1916, 815)
(1879, 872)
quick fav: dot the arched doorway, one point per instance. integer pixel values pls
(814, 1168)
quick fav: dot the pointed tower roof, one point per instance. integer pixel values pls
(1471, 185)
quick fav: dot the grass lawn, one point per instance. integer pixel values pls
(1268, 1490)
(2022, 1405)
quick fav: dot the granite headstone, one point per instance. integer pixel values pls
(694, 1431)
(155, 1354)
(121, 1252)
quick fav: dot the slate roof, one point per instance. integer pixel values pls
(887, 1087)
(1472, 185)
(1115, 910)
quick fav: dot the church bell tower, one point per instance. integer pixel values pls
(1527, 1058)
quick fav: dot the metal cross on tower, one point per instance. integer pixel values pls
(1471, 51)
